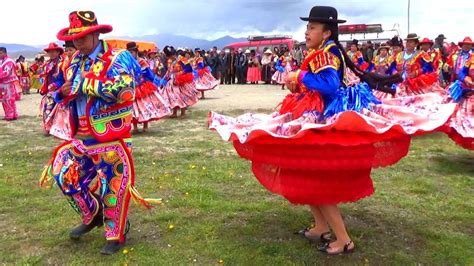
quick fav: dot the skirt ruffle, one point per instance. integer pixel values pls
(181, 96)
(253, 74)
(205, 81)
(279, 77)
(312, 159)
(149, 105)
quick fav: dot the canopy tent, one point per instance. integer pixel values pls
(142, 46)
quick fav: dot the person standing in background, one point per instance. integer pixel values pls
(222, 66)
(229, 61)
(241, 66)
(214, 62)
(369, 52)
(253, 71)
(267, 66)
(8, 81)
(23, 74)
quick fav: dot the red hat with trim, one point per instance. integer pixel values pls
(466, 40)
(82, 23)
(52, 47)
(426, 41)
(152, 51)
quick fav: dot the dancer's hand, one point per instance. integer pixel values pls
(66, 88)
(290, 81)
(468, 81)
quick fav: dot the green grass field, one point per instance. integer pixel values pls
(215, 212)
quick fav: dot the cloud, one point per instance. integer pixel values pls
(211, 19)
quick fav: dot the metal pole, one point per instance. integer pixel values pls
(408, 16)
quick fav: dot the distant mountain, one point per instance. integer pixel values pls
(222, 42)
(161, 40)
(14, 47)
(164, 39)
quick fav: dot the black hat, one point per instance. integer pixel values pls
(68, 44)
(412, 36)
(197, 50)
(169, 50)
(324, 14)
(132, 46)
(441, 36)
(396, 41)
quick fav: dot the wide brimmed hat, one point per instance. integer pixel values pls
(324, 14)
(82, 23)
(412, 37)
(441, 36)
(54, 47)
(132, 46)
(466, 40)
(426, 41)
(384, 46)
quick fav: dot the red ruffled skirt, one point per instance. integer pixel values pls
(313, 160)
(206, 81)
(149, 105)
(182, 95)
(253, 74)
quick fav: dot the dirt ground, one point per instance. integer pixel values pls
(226, 97)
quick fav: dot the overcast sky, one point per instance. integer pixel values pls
(37, 21)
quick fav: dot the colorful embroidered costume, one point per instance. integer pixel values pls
(462, 123)
(204, 80)
(95, 168)
(380, 65)
(322, 144)
(457, 60)
(282, 68)
(52, 72)
(180, 87)
(358, 59)
(418, 72)
(24, 76)
(148, 105)
(8, 87)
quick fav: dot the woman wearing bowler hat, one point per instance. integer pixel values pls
(329, 133)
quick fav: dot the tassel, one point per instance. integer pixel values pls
(146, 202)
(45, 174)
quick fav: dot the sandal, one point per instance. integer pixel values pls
(322, 238)
(345, 250)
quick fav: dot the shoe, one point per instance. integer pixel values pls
(112, 247)
(324, 248)
(323, 238)
(83, 229)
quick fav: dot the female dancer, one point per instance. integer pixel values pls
(148, 104)
(319, 149)
(179, 82)
(204, 81)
